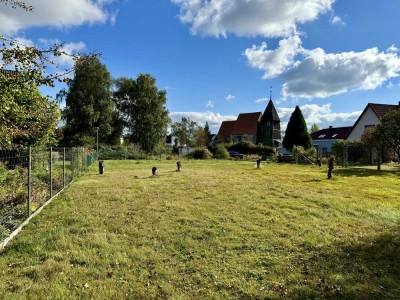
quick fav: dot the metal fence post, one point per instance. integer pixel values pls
(29, 179)
(51, 172)
(64, 167)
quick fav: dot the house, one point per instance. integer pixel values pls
(370, 117)
(323, 139)
(255, 127)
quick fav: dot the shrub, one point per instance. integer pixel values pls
(221, 152)
(200, 153)
(249, 148)
(122, 152)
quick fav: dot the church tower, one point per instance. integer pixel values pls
(269, 129)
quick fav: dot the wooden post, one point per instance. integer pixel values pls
(64, 167)
(51, 172)
(29, 179)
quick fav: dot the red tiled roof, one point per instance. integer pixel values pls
(225, 130)
(332, 133)
(246, 123)
(382, 109)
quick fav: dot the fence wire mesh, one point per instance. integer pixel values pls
(29, 178)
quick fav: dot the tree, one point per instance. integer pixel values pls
(388, 132)
(314, 128)
(207, 133)
(184, 131)
(26, 117)
(143, 110)
(200, 137)
(89, 104)
(296, 132)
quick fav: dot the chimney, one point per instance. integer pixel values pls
(330, 127)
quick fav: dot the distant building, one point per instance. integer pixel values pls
(254, 127)
(323, 139)
(370, 117)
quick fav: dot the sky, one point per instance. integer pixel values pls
(219, 58)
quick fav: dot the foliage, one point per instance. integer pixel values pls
(122, 152)
(88, 104)
(314, 128)
(388, 131)
(142, 107)
(207, 133)
(200, 153)
(17, 4)
(249, 148)
(296, 132)
(184, 131)
(221, 152)
(352, 151)
(200, 137)
(26, 117)
(304, 155)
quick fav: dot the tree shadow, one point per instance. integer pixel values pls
(369, 269)
(363, 172)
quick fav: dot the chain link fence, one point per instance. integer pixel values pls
(30, 177)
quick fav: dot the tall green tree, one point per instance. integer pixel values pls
(207, 133)
(184, 131)
(142, 107)
(387, 133)
(314, 128)
(296, 132)
(89, 104)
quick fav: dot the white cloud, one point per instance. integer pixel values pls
(210, 104)
(321, 115)
(274, 62)
(336, 20)
(316, 74)
(214, 119)
(322, 74)
(230, 97)
(261, 100)
(58, 14)
(270, 18)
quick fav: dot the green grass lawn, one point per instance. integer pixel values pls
(216, 230)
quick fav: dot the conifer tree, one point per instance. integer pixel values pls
(296, 132)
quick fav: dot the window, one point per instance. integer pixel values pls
(321, 136)
(334, 135)
(369, 126)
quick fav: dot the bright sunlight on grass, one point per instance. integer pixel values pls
(215, 230)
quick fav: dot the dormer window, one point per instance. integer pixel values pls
(322, 136)
(334, 135)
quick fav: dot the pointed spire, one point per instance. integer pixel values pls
(270, 93)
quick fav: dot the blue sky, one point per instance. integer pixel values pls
(218, 58)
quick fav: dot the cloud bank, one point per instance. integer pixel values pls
(55, 13)
(317, 74)
(272, 18)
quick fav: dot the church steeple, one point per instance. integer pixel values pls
(269, 126)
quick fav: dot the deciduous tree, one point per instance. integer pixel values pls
(387, 133)
(142, 106)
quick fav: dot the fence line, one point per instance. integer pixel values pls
(29, 178)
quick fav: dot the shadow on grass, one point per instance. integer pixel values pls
(364, 172)
(369, 269)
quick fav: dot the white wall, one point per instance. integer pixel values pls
(369, 118)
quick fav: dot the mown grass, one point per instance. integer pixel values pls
(216, 230)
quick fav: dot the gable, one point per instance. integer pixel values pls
(368, 118)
